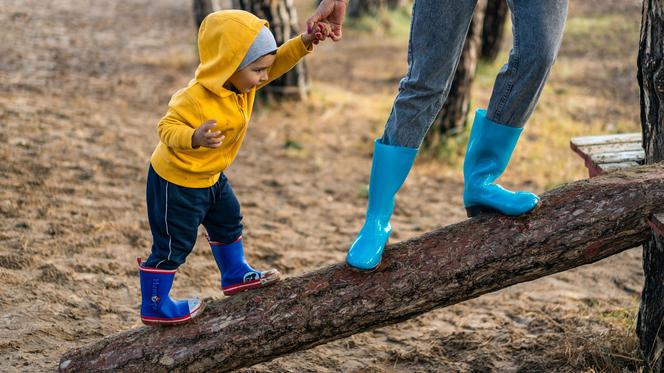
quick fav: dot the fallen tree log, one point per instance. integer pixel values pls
(576, 224)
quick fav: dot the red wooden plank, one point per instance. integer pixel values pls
(656, 222)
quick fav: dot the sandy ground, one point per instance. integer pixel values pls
(83, 85)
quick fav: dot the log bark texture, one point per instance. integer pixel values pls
(576, 224)
(650, 324)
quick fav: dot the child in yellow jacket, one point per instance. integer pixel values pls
(200, 136)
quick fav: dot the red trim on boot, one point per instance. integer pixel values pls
(271, 277)
(153, 270)
(232, 289)
(149, 320)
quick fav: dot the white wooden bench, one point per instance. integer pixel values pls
(612, 152)
(609, 152)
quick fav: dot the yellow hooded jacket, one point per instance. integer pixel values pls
(223, 40)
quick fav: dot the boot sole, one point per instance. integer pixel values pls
(476, 210)
(175, 322)
(263, 282)
(374, 269)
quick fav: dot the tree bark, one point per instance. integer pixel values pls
(362, 7)
(576, 224)
(493, 29)
(453, 115)
(204, 7)
(282, 16)
(650, 324)
(397, 3)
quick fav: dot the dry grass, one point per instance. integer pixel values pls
(611, 347)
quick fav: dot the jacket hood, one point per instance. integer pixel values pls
(223, 40)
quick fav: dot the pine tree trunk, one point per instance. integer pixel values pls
(493, 29)
(392, 4)
(359, 8)
(204, 7)
(452, 117)
(282, 16)
(650, 324)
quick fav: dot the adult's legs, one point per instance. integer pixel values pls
(537, 29)
(438, 31)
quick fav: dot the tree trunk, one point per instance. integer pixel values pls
(492, 31)
(576, 224)
(362, 7)
(453, 115)
(282, 16)
(204, 7)
(650, 324)
(393, 4)
(359, 8)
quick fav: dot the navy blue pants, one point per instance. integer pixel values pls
(175, 212)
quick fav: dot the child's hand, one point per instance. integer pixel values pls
(319, 33)
(203, 136)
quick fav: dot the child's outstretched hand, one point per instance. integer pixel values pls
(320, 32)
(203, 136)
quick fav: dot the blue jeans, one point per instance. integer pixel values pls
(175, 212)
(438, 31)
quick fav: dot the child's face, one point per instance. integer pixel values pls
(254, 74)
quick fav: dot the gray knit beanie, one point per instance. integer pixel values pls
(262, 45)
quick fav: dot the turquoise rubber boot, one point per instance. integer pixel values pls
(489, 151)
(390, 167)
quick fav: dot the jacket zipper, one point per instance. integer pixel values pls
(244, 119)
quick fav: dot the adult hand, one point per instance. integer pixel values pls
(332, 11)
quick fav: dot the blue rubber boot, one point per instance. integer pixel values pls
(489, 151)
(236, 274)
(390, 167)
(157, 307)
